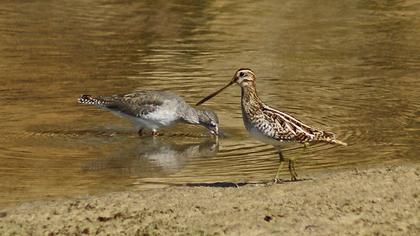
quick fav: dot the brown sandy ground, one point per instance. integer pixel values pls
(377, 201)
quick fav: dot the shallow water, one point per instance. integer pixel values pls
(351, 67)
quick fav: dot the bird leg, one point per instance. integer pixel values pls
(281, 159)
(155, 133)
(292, 170)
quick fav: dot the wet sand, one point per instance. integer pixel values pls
(376, 201)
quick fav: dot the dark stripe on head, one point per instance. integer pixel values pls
(245, 69)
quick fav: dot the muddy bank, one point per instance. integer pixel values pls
(379, 201)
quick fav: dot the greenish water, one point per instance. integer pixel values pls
(351, 67)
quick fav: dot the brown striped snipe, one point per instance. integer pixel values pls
(269, 125)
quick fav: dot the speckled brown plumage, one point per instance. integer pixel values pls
(278, 125)
(270, 125)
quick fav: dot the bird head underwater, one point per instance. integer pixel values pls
(244, 77)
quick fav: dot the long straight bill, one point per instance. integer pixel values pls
(214, 94)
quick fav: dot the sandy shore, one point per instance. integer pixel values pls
(378, 201)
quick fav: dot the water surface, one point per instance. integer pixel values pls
(351, 67)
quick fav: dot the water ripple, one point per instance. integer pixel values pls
(348, 68)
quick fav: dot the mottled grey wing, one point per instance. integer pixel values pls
(185, 111)
(137, 104)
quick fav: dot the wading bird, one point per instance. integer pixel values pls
(153, 110)
(270, 125)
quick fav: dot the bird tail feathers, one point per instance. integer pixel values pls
(97, 101)
(329, 137)
(336, 141)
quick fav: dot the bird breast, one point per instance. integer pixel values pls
(261, 130)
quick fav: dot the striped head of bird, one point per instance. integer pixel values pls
(244, 77)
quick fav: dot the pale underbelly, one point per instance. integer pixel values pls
(257, 134)
(140, 123)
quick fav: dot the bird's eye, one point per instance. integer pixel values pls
(241, 74)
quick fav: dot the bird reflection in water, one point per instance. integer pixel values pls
(153, 156)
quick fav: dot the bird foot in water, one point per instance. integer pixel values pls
(155, 133)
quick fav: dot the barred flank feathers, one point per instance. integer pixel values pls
(87, 99)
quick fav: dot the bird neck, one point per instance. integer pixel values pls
(191, 115)
(250, 101)
(202, 118)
